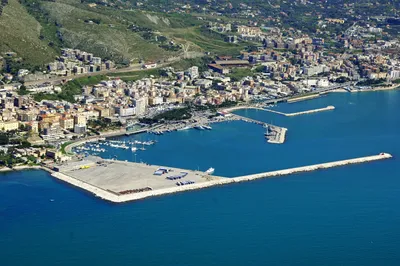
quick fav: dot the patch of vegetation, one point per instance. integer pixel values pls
(342, 80)
(148, 121)
(371, 82)
(136, 75)
(206, 41)
(4, 139)
(22, 90)
(200, 62)
(175, 114)
(65, 144)
(239, 73)
(70, 89)
(103, 124)
(227, 104)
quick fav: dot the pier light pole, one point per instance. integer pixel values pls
(135, 157)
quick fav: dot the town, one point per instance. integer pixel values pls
(81, 95)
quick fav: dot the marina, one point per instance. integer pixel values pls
(97, 146)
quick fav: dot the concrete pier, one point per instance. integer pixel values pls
(278, 135)
(328, 108)
(106, 188)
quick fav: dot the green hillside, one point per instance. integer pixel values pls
(104, 34)
(36, 30)
(19, 33)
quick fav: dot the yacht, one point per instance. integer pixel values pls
(210, 171)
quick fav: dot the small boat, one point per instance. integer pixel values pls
(207, 127)
(133, 149)
(210, 171)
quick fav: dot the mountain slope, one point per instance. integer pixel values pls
(20, 32)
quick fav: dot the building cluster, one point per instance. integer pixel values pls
(71, 62)
(74, 61)
(51, 120)
(301, 66)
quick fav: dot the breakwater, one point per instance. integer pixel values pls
(328, 108)
(113, 197)
(314, 167)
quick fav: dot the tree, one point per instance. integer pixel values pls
(4, 139)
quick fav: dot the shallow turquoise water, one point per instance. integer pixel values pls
(341, 216)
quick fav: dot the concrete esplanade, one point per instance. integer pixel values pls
(115, 197)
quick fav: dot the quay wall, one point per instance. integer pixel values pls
(99, 192)
(108, 195)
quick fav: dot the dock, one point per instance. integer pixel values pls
(122, 183)
(278, 134)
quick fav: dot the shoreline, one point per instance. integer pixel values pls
(113, 197)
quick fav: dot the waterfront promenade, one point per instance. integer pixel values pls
(108, 185)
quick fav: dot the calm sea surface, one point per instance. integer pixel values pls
(341, 216)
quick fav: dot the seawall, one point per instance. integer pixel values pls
(110, 196)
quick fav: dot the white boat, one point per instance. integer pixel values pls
(210, 171)
(184, 128)
(207, 127)
(133, 149)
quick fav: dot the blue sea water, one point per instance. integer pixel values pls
(341, 216)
